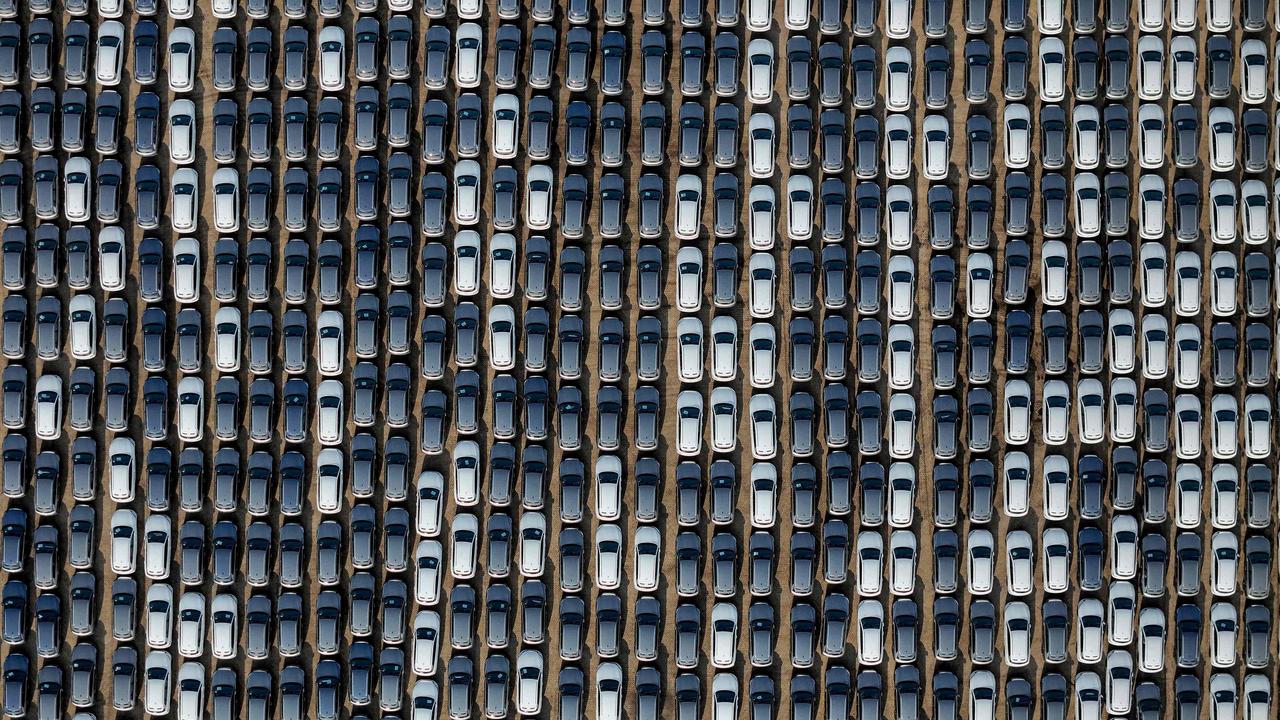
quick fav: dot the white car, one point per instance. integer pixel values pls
(800, 208)
(328, 479)
(608, 488)
(937, 147)
(724, 419)
(187, 277)
(1019, 563)
(1150, 62)
(1151, 639)
(1055, 269)
(466, 262)
(902, 494)
(901, 356)
(608, 575)
(760, 59)
(466, 473)
(902, 562)
(1050, 16)
(529, 682)
(226, 199)
(122, 459)
(469, 42)
(764, 495)
(763, 358)
(464, 546)
(763, 133)
(724, 348)
(764, 426)
(183, 131)
(648, 558)
(503, 264)
(1018, 632)
(503, 337)
(1124, 409)
(1225, 550)
(1254, 212)
(159, 623)
(1055, 412)
(897, 78)
(113, 260)
(331, 348)
(1253, 71)
(689, 411)
(190, 413)
(182, 60)
(426, 642)
(1124, 547)
(1017, 412)
(1223, 628)
(1057, 487)
(871, 638)
(763, 271)
(1151, 207)
(724, 634)
(1222, 139)
(1187, 424)
(1121, 612)
(1091, 405)
(902, 426)
(429, 559)
(981, 552)
(331, 417)
(333, 58)
(82, 312)
(157, 550)
(689, 276)
(688, 206)
(1090, 626)
(899, 217)
(1257, 429)
(109, 60)
(466, 192)
(1057, 560)
(897, 146)
(533, 544)
(429, 491)
(1151, 137)
(1182, 80)
(48, 407)
(980, 271)
(1086, 124)
(1017, 131)
(869, 549)
(191, 686)
(184, 199)
(226, 339)
(902, 287)
(539, 194)
(124, 541)
(1223, 282)
(226, 626)
(77, 181)
(689, 336)
(505, 141)
(1119, 683)
(763, 207)
(191, 624)
(1223, 204)
(157, 682)
(1053, 69)
(898, 14)
(609, 691)
(1188, 493)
